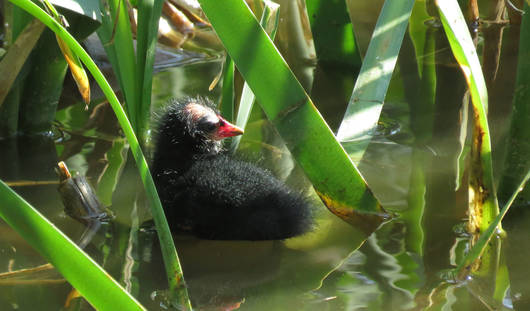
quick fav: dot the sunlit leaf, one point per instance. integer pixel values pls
(289, 108)
(171, 261)
(146, 39)
(116, 36)
(79, 269)
(333, 33)
(482, 242)
(362, 114)
(89, 8)
(483, 200)
(269, 21)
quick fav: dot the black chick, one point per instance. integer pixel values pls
(213, 195)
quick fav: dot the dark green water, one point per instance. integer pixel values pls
(411, 165)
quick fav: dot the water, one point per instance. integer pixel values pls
(412, 166)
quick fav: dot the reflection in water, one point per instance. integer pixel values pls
(417, 169)
(230, 272)
(24, 272)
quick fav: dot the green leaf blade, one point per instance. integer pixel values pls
(290, 109)
(484, 206)
(171, 261)
(100, 289)
(366, 102)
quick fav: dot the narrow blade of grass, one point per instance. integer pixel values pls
(116, 36)
(102, 291)
(149, 12)
(227, 98)
(480, 245)
(517, 160)
(286, 104)
(483, 199)
(269, 21)
(172, 264)
(366, 102)
(333, 33)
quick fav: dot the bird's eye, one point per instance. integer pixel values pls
(208, 126)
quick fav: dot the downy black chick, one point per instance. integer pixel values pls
(211, 194)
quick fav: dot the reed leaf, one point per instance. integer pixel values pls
(172, 264)
(43, 86)
(88, 8)
(284, 101)
(517, 160)
(366, 102)
(269, 21)
(483, 200)
(149, 12)
(116, 36)
(482, 242)
(98, 288)
(333, 33)
(18, 20)
(228, 92)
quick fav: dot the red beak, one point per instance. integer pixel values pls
(227, 129)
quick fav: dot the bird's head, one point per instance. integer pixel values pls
(192, 124)
(207, 122)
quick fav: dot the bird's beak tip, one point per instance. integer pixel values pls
(229, 130)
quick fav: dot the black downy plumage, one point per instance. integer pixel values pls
(213, 195)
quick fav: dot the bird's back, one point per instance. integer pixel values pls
(219, 197)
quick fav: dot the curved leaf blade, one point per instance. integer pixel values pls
(371, 86)
(485, 237)
(171, 261)
(290, 109)
(100, 289)
(483, 200)
(269, 21)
